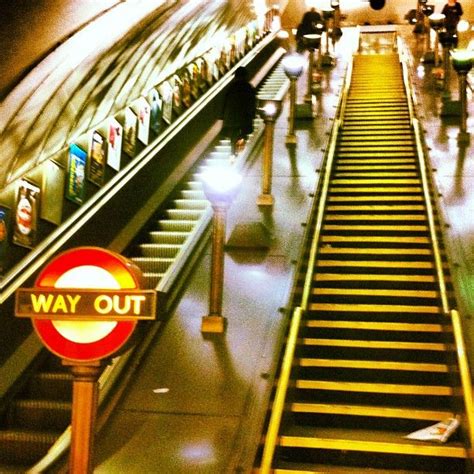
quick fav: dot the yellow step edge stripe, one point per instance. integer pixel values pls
(371, 308)
(375, 217)
(433, 390)
(376, 292)
(376, 227)
(366, 277)
(374, 326)
(374, 207)
(380, 251)
(366, 410)
(362, 344)
(374, 446)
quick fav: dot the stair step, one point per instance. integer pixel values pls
(374, 326)
(376, 190)
(373, 308)
(159, 250)
(375, 264)
(394, 345)
(404, 389)
(372, 365)
(319, 277)
(370, 442)
(25, 447)
(374, 217)
(397, 293)
(380, 251)
(49, 414)
(168, 237)
(371, 411)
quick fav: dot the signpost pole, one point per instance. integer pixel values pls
(84, 410)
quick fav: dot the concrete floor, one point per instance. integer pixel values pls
(196, 403)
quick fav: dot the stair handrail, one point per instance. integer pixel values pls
(285, 369)
(464, 371)
(465, 376)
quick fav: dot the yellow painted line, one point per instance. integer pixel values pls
(375, 292)
(375, 217)
(374, 326)
(374, 277)
(371, 308)
(373, 251)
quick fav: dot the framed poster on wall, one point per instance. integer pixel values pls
(166, 92)
(114, 140)
(156, 111)
(4, 236)
(76, 171)
(97, 158)
(186, 98)
(130, 130)
(143, 132)
(54, 177)
(26, 214)
(177, 95)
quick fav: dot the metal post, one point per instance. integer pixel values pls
(214, 321)
(84, 411)
(447, 71)
(266, 198)
(463, 101)
(291, 137)
(309, 92)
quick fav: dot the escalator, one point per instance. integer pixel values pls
(371, 355)
(35, 421)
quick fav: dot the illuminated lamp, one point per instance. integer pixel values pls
(269, 109)
(462, 62)
(293, 67)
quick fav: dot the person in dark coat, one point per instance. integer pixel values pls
(239, 109)
(453, 12)
(307, 26)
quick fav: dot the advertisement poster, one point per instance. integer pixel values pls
(130, 132)
(76, 174)
(97, 157)
(54, 177)
(177, 95)
(186, 98)
(156, 110)
(143, 120)
(4, 231)
(167, 94)
(26, 214)
(195, 75)
(114, 144)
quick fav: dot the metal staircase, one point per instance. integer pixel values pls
(370, 354)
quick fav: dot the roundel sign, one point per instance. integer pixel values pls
(86, 303)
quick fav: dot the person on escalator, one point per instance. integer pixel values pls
(307, 26)
(238, 112)
(453, 12)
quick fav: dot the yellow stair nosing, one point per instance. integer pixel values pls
(372, 238)
(376, 207)
(432, 390)
(375, 217)
(376, 227)
(380, 251)
(394, 345)
(374, 277)
(372, 365)
(373, 308)
(374, 446)
(373, 411)
(376, 292)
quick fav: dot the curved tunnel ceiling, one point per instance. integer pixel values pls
(82, 87)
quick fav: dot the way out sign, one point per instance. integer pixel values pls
(86, 303)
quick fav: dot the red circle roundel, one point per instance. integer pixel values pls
(86, 268)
